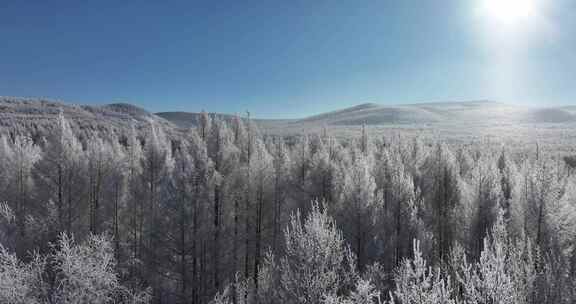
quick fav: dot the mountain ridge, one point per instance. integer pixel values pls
(39, 112)
(474, 111)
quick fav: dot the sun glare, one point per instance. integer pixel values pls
(509, 12)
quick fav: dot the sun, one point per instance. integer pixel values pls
(509, 12)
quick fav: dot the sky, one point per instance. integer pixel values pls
(287, 59)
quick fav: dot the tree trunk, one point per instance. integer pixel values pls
(216, 237)
(260, 200)
(235, 249)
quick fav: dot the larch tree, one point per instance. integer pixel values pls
(131, 219)
(418, 283)
(176, 219)
(17, 161)
(321, 177)
(358, 208)
(317, 263)
(442, 199)
(202, 188)
(402, 208)
(157, 163)
(101, 157)
(511, 185)
(60, 174)
(301, 157)
(486, 195)
(542, 188)
(504, 273)
(83, 273)
(21, 283)
(223, 154)
(281, 163)
(262, 172)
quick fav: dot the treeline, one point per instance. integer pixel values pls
(224, 214)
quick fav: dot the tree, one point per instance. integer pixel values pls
(83, 273)
(542, 189)
(156, 164)
(100, 159)
(59, 173)
(418, 283)
(262, 175)
(364, 293)
(316, 262)
(281, 163)
(505, 272)
(132, 223)
(17, 160)
(486, 193)
(301, 161)
(442, 199)
(398, 218)
(202, 188)
(358, 209)
(176, 214)
(512, 193)
(20, 283)
(322, 176)
(222, 152)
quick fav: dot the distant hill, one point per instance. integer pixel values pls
(189, 119)
(480, 112)
(373, 114)
(38, 116)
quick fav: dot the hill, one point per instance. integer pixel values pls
(452, 120)
(480, 112)
(38, 116)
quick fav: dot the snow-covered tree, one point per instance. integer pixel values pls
(398, 216)
(316, 262)
(359, 207)
(17, 160)
(157, 163)
(505, 272)
(21, 283)
(72, 273)
(100, 159)
(442, 199)
(418, 283)
(59, 173)
(486, 196)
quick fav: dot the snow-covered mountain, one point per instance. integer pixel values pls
(40, 114)
(38, 117)
(466, 112)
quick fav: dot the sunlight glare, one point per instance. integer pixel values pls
(509, 12)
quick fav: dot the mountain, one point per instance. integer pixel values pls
(373, 114)
(190, 119)
(39, 116)
(481, 112)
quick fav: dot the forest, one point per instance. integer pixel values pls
(224, 213)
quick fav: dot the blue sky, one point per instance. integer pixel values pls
(284, 58)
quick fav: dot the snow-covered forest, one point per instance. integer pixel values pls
(222, 213)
